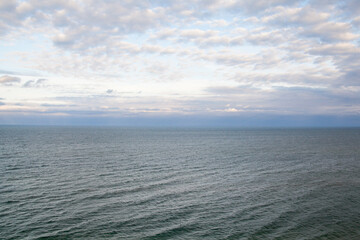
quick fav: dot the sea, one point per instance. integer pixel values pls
(179, 183)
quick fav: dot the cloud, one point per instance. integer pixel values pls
(9, 80)
(100, 23)
(80, 25)
(285, 100)
(1, 101)
(263, 37)
(331, 31)
(197, 33)
(184, 56)
(295, 16)
(34, 83)
(338, 49)
(310, 22)
(243, 6)
(164, 34)
(9, 72)
(351, 7)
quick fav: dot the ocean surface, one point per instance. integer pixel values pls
(133, 183)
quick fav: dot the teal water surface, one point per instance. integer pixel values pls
(118, 183)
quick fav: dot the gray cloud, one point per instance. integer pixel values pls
(285, 100)
(9, 72)
(331, 31)
(9, 80)
(352, 7)
(298, 16)
(339, 49)
(34, 83)
(244, 6)
(273, 37)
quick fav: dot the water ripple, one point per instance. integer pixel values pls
(116, 183)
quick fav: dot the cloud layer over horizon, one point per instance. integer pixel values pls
(214, 58)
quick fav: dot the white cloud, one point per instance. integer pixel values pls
(164, 34)
(197, 33)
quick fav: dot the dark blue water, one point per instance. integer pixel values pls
(117, 183)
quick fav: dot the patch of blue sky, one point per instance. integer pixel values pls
(15, 52)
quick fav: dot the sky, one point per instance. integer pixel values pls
(180, 63)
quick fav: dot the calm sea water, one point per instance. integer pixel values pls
(117, 183)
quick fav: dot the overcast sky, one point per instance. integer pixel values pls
(85, 61)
